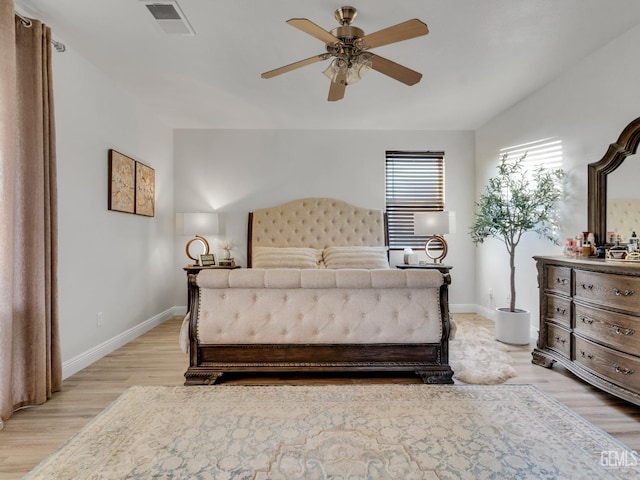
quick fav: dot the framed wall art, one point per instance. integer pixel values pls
(122, 182)
(145, 190)
(132, 185)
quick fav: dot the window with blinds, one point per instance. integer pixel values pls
(414, 183)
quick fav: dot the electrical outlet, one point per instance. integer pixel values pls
(99, 319)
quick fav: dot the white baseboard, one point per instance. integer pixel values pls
(462, 308)
(96, 353)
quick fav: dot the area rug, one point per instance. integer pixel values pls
(338, 432)
(476, 357)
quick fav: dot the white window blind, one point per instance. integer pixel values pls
(414, 183)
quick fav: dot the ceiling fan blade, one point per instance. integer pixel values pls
(337, 88)
(395, 70)
(293, 66)
(397, 33)
(307, 26)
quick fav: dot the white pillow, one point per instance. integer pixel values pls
(286, 257)
(355, 257)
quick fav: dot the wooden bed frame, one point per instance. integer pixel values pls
(428, 360)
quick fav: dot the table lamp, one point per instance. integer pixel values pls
(197, 224)
(434, 225)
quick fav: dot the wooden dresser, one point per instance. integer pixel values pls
(590, 321)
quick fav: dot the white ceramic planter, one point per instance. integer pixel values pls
(513, 327)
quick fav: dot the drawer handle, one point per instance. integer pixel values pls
(623, 331)
(626, 293)
(561, 340)
(587, 320)
(563, 281)
(585, 354)
(587, 287)
(624, 371)
(561, 310)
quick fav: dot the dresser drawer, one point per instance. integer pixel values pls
(616, 330)
(559, 279)
(618, 291)
(618, 368)
(559, 339)
(559, 310)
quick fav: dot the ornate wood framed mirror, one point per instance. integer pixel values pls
(625, 146)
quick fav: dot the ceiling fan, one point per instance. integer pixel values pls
(350, 48)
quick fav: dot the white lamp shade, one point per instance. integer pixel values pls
(197, 223)
(434, 223)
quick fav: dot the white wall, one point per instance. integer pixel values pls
(129, 267)
(236, 171)
(115, 263)
(587, 108)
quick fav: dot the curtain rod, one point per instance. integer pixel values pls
(59, 46)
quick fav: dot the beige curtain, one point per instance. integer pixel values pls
(30, 364)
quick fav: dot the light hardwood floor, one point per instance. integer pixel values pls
(155, 359)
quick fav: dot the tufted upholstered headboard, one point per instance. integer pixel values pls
(623, 216)
(316, 223)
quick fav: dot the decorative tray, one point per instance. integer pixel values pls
(632, 257)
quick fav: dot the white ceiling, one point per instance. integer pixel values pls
(479, 58)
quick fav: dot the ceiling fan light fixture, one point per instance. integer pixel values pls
(359, 68)
(336, 66)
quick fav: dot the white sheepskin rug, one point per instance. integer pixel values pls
(476, 357)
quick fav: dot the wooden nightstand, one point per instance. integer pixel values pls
(195, 269)
(427, 266)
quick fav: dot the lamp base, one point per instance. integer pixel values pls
(431, 253)
(205, 248)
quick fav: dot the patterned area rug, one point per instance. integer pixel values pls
(476, 357)
(339, 432)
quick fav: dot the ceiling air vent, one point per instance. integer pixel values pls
(169, 17)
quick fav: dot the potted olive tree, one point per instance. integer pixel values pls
(514, 202)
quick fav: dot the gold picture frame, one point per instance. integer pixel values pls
(132, 185)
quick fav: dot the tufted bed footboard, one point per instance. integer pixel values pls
(304, 320)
